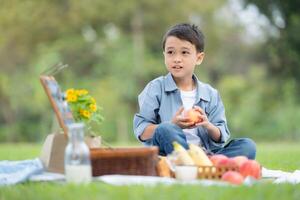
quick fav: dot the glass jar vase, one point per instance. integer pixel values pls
(77, 156)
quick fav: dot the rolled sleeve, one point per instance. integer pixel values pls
(148, 102)
(139, 124)
(216, 116)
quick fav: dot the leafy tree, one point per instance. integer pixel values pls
(283, 52)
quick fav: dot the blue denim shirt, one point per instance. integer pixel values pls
(160, 100)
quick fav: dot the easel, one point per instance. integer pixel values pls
(52, 154)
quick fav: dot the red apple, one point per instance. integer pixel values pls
(227, 162)
(233, 177)
(239, 160)
(251, 168)
(219, 160)
(231, 163)
(193, 115)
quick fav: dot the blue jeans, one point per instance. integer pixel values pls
(166, 133)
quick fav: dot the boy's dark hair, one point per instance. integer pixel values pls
(186, 32)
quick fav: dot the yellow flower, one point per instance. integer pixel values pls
(86, 114)
(71, 98)
(70, 92)
(93, 107)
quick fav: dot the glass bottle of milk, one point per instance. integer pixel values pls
(77, 156)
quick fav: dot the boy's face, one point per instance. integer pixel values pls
(181, 57)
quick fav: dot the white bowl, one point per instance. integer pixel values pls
(186, 173)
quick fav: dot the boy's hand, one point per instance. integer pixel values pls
(204, 122)
(213, 131)
(182, 121)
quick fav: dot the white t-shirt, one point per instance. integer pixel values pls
(188, 99)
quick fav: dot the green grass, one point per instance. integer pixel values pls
(283, 156)
(19, 151)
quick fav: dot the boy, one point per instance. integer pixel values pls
(165, 100)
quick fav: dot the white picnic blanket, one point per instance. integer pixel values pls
(13, 172)
(277, 176)
(152, 180)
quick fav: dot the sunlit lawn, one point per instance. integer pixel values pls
(284, 156)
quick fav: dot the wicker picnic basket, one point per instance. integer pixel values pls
(204, 172)
(125, 161)
(212, 172)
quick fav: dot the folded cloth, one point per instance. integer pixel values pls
(293, 178)
(270, 173)
(282, 176)
(13, 172)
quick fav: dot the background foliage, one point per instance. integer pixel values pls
(113, 48)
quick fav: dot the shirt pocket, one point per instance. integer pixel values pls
(205, 106)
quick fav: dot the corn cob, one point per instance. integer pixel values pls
(183, 157)
(199, 156)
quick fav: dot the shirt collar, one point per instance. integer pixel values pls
(202, 92)
(170, 84)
